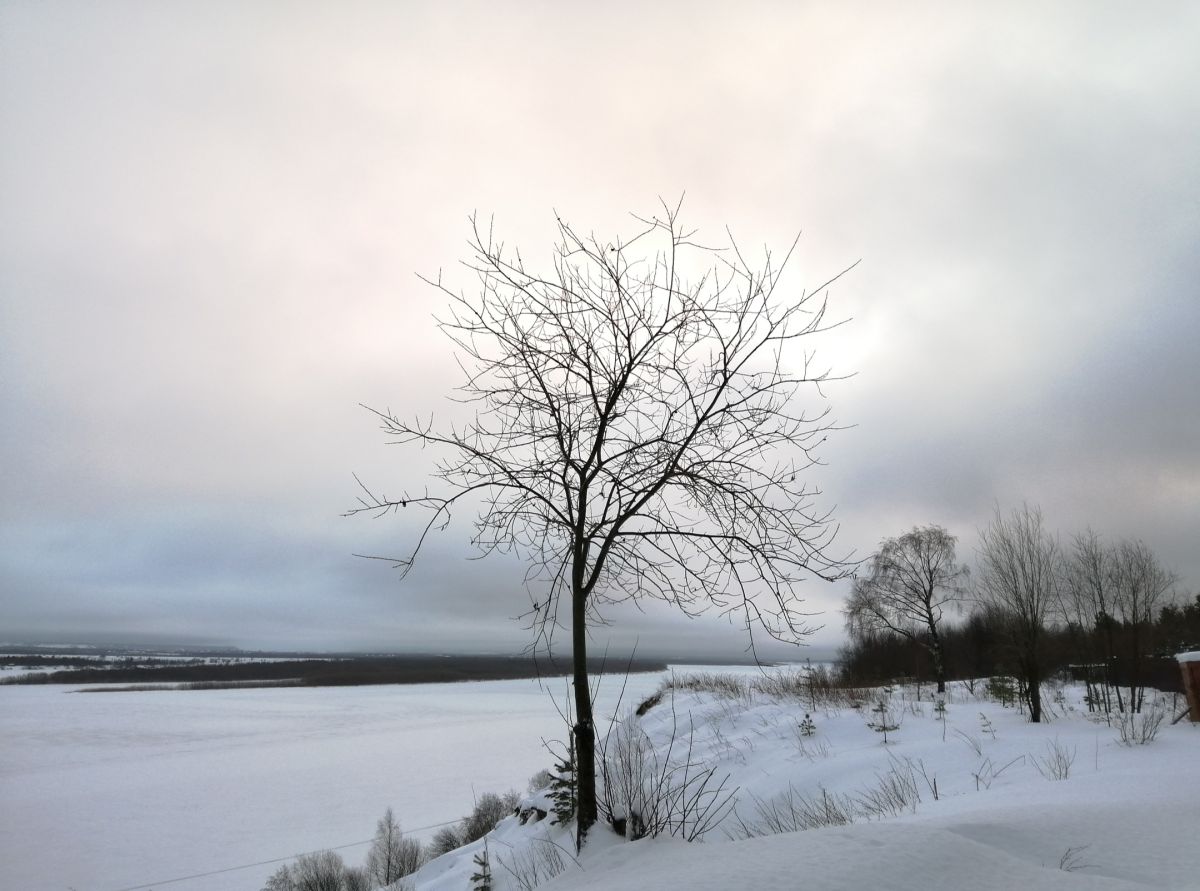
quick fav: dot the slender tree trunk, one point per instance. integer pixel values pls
(939, 662)
(1033, 688)
(584, 729)
(1135, 674)
(1109, 655)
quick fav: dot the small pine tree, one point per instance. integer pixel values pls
(481, 879)
(807, 727)
(562, 787)
(886, 723)
(1001, 689)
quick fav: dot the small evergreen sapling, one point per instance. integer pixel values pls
(562, 788)
(481, 879)
(807, 727)
(885, 722)
(1001, 689)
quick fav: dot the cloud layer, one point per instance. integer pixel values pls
(213, 215)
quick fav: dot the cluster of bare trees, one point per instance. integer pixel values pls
(1035, 605)
(1113, 595)
(392, 857)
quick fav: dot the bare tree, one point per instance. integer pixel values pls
(1140, 586)
(1018, 578)
(444, 841)
(489, 810)
(280, 880)
(322, 871)
(635, 436)
(908, 583)
(1086, 604)
(392, 856)
(1115, 591)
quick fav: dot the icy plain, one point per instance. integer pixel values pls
(108, 791)
(116, 791)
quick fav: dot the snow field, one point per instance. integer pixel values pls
(1119, 817)
(106, 791)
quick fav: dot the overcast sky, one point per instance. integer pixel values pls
(212, 215)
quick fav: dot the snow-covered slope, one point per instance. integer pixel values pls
(1121, 817)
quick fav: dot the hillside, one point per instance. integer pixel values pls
(975, 797)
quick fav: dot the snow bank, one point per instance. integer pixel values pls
(1122, 817)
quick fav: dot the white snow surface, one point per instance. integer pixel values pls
(110, 791)
(1124, 817)
(106, 791)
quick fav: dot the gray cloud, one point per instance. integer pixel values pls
(213, 217)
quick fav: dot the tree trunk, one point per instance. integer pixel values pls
(1109, 655)
(1135, 675)
(1033, 689)
(939, 664)
(584, 729)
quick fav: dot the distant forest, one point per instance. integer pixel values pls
(979, 647)
(334, 672)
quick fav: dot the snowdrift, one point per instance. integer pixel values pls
(969, 796)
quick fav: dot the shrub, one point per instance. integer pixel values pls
(793, 812)
(280, 880)
(444, 841)
(489, 810)
(1140, 729)
(649, 702)
(534, 866)
(539, 781)
(322, 871)
(728, 686)
(894, 792)
(644, 794)
(1056, 763)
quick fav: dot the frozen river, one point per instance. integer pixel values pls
(116, 791)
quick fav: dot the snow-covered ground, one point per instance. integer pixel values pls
(106, 791)
(117, 791)
(1121, 816)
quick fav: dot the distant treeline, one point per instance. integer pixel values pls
(979, 647)
(354, 671)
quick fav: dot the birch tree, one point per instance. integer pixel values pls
(906, 588)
